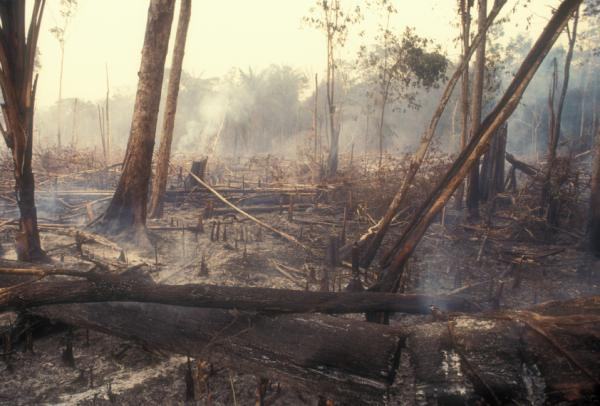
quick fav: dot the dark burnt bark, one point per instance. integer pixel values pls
(594, 222)
(127, 209)
(476, 109)
(465, 22)
(486, 359)
(17, 57)
(550, 189)
(104, 288)
(491, 177)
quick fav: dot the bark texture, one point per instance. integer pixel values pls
(594, 223)
(17, 59)
(103, 288)
(465, 23)
(491, 177)
(127, 209)
(476, 109)
(159, 183)
(550, 198)
(546, 354)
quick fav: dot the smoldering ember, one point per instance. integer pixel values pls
(308, 202)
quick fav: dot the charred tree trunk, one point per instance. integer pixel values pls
(159, 183)
(550, 191)
(594, 221)
(394, 261)
(484, 359)
(491, 178)
(465, 22)
(476, 109)
(105, 288)
(374, 235)
(17, 59)
(127, 209)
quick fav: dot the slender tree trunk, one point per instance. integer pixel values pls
(159, 184)
(17, 61)
(382, 120)
(476, 108)
(594, 221)
(315, 117)
(59, 102)
(127, 209)
(74, 125)
(465, 21)
(107, 126)
(549, 193)
(332, 161)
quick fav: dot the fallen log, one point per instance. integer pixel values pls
(249, 216)
(544, 355)
(522, 166)
(107, 288)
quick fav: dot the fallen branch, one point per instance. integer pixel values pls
(107, 288)
(247, 215)
(522, 166)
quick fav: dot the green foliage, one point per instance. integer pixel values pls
(398, 67)
(333, 19)
(67, 11)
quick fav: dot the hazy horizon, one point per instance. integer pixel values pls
(224, 35)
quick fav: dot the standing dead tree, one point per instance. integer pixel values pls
(394, 261)
(550, 201)
(334, 21)
(67, 9)
(465, 23)
(594, 220)
(17, 60)
(476, 108)
(127, 209)
(159, 183)
(374, 235)
(491, 178)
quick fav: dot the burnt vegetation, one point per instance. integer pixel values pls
(405, 227)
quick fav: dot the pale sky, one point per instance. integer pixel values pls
(223, 34)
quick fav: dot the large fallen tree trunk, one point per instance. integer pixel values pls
(104, 288)
(396, 258)
(547, 354)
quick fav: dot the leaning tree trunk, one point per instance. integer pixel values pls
(127, 209)
(594, 221)
(17, 59)
(396, 259)
(374, 236)
(159, 183)
(476, 108)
